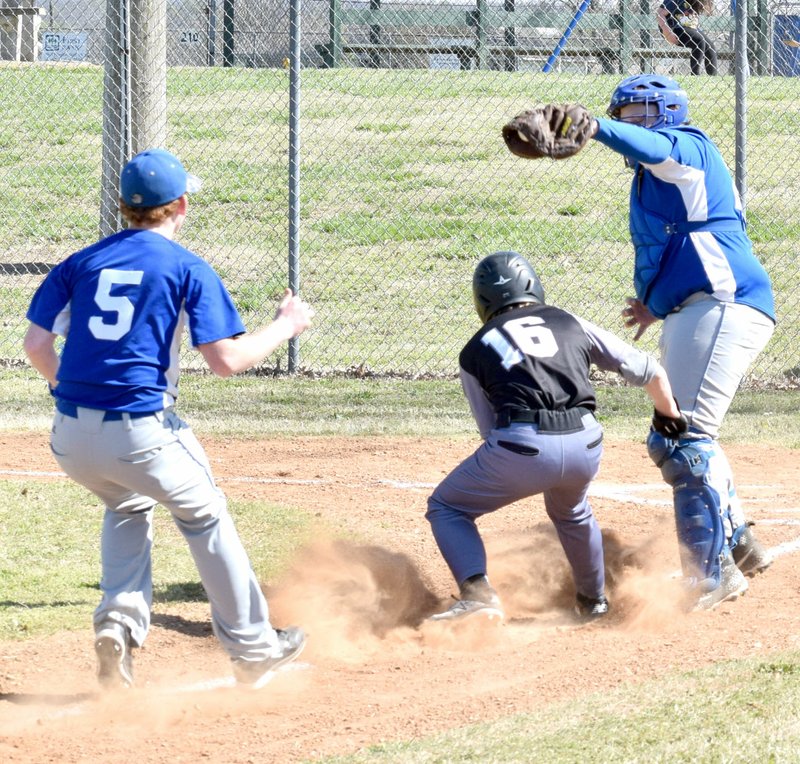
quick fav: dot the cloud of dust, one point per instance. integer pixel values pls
(354, 599)
(645, 593)
(532, 577)
(473, 634)
(348, 597)
(529, 571)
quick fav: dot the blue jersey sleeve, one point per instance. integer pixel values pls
(49, 307)
(210, 310)
(634, 141)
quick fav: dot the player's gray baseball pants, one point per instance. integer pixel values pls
(514, 463)
(132, 464)
(706, 348)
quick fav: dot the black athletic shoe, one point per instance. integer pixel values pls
(253, 675)
(748, 554)
(590, 607)
(112, 644)
(478, 589)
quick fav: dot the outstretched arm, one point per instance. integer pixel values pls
(637, 368)
(634, 141)
(667, 420)
(235, 354)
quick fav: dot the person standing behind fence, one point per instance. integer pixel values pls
(679, 22)
(121, 305)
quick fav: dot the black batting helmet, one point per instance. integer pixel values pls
(503, 279)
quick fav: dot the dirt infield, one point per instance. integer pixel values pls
(370, 673)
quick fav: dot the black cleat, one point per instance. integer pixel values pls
(590, 608)
(749, 555)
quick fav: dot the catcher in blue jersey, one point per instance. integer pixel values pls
(694, 269)
(121, 305)
(525, 374)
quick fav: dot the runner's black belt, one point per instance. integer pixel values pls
(569, 420)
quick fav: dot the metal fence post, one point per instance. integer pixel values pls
(148, 93)
(294, 166)
(481, 9)
(510, 38)
(116, 112)
(742, 72)
(228, 32)
(211, 50)
(333, 53)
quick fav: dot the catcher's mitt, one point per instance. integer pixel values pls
(555, 130)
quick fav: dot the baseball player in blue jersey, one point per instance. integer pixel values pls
(121, 305)
(526, 377)
(694, 269)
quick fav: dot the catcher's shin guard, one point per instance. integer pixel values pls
(698, 510)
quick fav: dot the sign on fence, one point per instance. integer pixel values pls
(64, 46)
(447, 60)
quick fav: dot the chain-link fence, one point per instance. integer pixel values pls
(374, 175)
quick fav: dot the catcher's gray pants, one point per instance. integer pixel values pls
(706, 348)
(512, 464)
(131, 465)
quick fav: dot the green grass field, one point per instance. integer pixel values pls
(733, 713)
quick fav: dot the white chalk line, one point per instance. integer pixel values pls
(207, 685)
(282, 481)
(787, 547)
(405, 485)
(624, 492)
(235, 479)
(32, 473)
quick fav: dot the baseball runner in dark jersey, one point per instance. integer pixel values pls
(121, 305)
(526, 377)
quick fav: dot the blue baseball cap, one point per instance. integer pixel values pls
(155, 177)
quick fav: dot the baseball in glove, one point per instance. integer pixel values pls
(557, 131)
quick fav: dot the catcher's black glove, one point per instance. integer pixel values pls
(555, 130)
(669, 427)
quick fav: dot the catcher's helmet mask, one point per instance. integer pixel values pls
(670, 99)
(502, 280)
